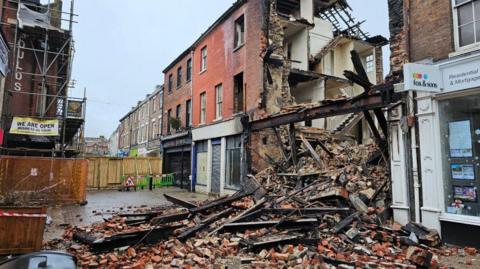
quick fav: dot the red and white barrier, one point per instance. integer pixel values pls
(21, 215)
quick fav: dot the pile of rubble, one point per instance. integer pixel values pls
(325, 205)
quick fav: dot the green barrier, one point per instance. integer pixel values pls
(167, 180)
(142, 182)
(163, 181)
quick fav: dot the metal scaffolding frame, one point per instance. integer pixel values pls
(53, 51)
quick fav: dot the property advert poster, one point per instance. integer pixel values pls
(29, 126)
(465, 193)
(463, 171)
(460, 139)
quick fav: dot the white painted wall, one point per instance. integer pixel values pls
(299, 52)
(320, 35)
(310, 92)
(400, 201)
(306, 10)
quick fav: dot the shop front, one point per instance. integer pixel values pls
(217, 164)
(177, 158)
(448, 120)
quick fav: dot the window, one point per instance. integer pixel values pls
(459, 125)
(239, 32)
(179, 77)
(232, 169)
(238, 93)
(154, 101)
(369, 63)
(218, 101)
(154, 129)
(203, 62)
(203, 107)
(189, 69)
(179, 114)
(468, 21)
(169, 116)
(170, 83)
(188, 118)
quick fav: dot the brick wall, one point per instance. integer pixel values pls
(431, 29)
(177, 95)
(419, 30)
(224, 62)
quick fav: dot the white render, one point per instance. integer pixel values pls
(219, 130)
(432, 174)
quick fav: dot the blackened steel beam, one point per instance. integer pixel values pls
(343, 107)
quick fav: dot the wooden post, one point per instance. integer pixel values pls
(293, 144)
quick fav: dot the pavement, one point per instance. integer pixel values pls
(102, 204)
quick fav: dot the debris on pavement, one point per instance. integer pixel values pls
(329, 209)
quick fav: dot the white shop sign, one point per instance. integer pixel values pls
(422, 77)
(462, 75)
(446, 77)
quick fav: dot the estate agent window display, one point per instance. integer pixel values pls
(460, 138)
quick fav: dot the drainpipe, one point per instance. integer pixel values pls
(414, 155)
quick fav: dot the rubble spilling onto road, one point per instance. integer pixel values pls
(325, 207)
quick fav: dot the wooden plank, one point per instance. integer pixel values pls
(312, 151)
(293, 144)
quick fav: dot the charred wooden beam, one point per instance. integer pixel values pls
(358, 80)
(358, 65)
(306, 211)
(204, 224)
(242, 226)
(345, 222)
(169, 218)
(220, 202)
(280, 143)
(312, 151)
(239, 217)
(373, 127)
(293, 144)
(129, 239)
(179, 202)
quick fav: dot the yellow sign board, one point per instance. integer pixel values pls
(29, 126)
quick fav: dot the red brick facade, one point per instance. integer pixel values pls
(224, 61)
(172, 97)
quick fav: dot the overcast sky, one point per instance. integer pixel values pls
(123, 46)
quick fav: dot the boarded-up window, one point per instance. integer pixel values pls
(202, 161)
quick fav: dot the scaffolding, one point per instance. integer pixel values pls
(40, 36)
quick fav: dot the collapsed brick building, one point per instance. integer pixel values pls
(258, 58)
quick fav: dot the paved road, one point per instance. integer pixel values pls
(101, 204)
